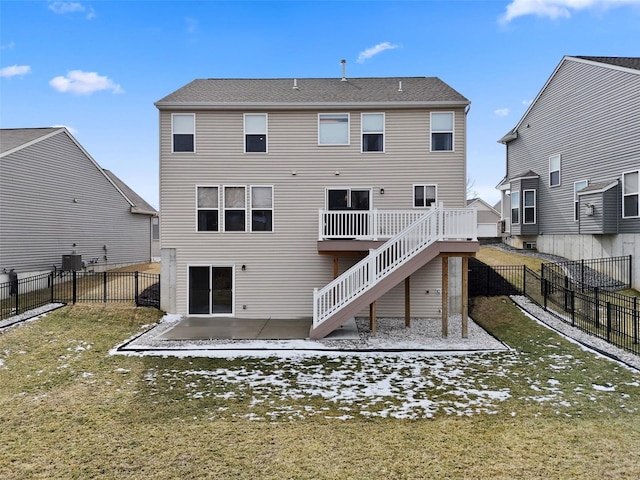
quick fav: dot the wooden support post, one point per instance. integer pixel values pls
(465, 297)
(335, 266)
(407, 302)
(372, 318)
(445, 296)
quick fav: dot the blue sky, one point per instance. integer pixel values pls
(97, 67)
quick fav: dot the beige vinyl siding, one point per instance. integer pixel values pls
(589, 115)
(284, 266)
(40, 221)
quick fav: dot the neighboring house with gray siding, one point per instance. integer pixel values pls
(271, 188)
(573, 163)
(488, 219)
(55, 200)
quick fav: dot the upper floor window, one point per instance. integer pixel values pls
(373, 132)
(155, 228)
(255, 132)
(515, 208)
(207, 208)
(261, 209)
(424, 195)
(235, 209)
(577, 186)
(333, 129)
(554, 170)
(630, 194)
(529, 206)
(183, 129)
(442, 131)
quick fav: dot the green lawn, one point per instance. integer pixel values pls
(545, 409)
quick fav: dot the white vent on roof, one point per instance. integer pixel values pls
(344, 69)
(295, 84)
(400, 86)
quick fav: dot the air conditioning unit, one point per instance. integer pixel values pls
(72, 262)
(501, 226)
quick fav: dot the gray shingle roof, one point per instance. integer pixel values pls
(627, 62)
(314, 91)
(11, 138)
(598, 187)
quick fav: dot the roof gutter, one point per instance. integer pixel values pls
(185, 106)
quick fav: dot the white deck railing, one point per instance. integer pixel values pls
(365, 224)
(434, 225)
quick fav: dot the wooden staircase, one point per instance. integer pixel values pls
(388, 265)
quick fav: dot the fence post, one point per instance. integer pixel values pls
(545, 290)
(582, 274)
(74, 293)
(566, 290)
(135, 277)
(17, 305)
(104, 293)
(634, 319)
(608, 321)
(630, 273)
(597, 302)
(52, 281)
(573, 308)
(524, 280)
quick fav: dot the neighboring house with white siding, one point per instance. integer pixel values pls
(55, 200)
(271, 188)
(488, 219)
(573, 164)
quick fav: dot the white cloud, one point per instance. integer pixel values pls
(15, 70)
(8, 46)
(61, 8)
(501, 112)
(370, 52)
(84, 83)
(557, 8)
(526, 103)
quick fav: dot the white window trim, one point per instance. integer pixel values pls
(512, 208)
(453, 133)
(194, 132)
(233, 289)
(413, 194)
(198, 209)
(224, 209)
(363, 133)
(348, 130)
(631, 194)
(525, 207)
(576, 199)
(244, 131)
(273, 210)
(559, 156)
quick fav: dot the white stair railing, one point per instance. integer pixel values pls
(437, 224)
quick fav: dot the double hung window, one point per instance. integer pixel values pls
(333, 129)
(515, 208)
(235, 209)
(529, 206)
(261, 209)
(207, 207)
(630, 194)
(554, 171)
(424, 195)
(183, 132)
(255, 132)
(577, 186)
(373, 132)
(442, 131)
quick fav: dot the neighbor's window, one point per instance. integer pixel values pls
(333, 129)
(234, 209)
(577, 186)
(554, 170)
(630, 194)
(529, 206)
(515, 208)
(207, 207)
(183, 129)
(442, 131)
(373, 132)
(424, 195)
(255, 132)
(261, 209)
(155, 228)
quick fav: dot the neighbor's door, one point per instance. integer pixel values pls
(210, 290)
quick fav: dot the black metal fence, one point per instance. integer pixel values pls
(607, 315)
(612, 273)
(142, 289)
